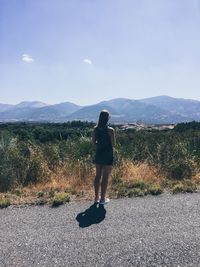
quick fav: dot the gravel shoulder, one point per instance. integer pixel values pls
(148, 231)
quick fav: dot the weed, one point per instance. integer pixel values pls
(70, 191)
(186, 186)
(51, 193)
(136, 188)
(41, 201)
(60, 199)
(155, 189)
(40, 194)
(17, 192)
(136, 192)
(4, 203)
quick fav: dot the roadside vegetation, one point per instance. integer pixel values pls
(46, 162)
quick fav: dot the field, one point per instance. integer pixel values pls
(46, 162)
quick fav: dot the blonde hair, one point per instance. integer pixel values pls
(103, 118)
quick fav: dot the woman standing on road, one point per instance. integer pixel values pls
(104, 139)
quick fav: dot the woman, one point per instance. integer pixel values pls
(104, 139)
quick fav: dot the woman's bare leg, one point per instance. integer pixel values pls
(97, 181)
(106, 172)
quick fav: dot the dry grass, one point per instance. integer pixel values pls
(196, 178)
(77, 180)
(130, 171)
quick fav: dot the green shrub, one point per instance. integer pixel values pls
(181, 171)
(37, 170)
(137, 184)
(17, 192)
(155, 189)
(190, 186)
(20, 164)
(136, 192)
(122, 191)
(178, 188)
(40, 194)
(70, 191)
(136, 188)
(186, 186)
(52, 192)
(41, 201)
(4, 203)
(51, 155)
(33, 152)
(60, 199)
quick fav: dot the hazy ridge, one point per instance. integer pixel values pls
(160, 109)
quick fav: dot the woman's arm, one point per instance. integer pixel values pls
(112, 135)
(94, 138)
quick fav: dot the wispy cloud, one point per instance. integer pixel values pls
(27, 58)
(87, 61)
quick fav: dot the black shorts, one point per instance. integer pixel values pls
(104, 158)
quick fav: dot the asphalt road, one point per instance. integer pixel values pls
(148, 231)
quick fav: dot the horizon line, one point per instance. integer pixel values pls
(137, 99)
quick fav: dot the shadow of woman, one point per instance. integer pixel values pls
(93, 215)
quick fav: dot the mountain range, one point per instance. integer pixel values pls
(156, 110)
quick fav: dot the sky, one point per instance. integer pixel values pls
(86, 51)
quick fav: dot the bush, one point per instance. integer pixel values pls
(136, 188)
(137, 184)
(20, 164)
(70, 191)
(35, 152)
(51, 156)
(40, 194)
(181, 171)
(41, 202)
(190, 186)
(52, 192)
(184, 187)
(17, 192)
(155, 189)
(136, 192)
(60, 199)
(37, 171)
(4, 203)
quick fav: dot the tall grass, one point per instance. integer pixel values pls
(20, 164)
(65, 163)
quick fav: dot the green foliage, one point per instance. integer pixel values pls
(155, 189)
(17, 192)
(60, 198)
(31, 152)
(40, 194)
(4, 203)
(41, 201)
(71, 191)
(136, 188)
(51, 193)
(20, 164)
(187, 126)
(185, 186)
(47, 132)
(136, 192)
(178, 188)
(180, 170)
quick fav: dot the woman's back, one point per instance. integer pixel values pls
(102, 137)
(104, 149)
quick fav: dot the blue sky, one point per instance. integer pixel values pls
(85, 51)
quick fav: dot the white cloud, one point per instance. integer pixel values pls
(27, 58)
(87, 61)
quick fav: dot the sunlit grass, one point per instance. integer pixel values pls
(4, 202)
(60, 199)
(128, 179)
